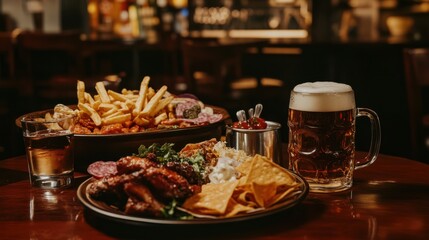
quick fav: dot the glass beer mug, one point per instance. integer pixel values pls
(321, 148)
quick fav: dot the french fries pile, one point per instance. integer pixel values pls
(143, 108)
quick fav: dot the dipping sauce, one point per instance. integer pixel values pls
(251, 123)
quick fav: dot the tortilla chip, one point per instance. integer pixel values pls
(283, 195)
(262, 184)
(266, 182)
(245, 196)
(263, 172)
(264, 192)
(244, 167)
(235, 208)
(213, 198)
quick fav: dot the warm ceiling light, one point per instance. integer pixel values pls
(180, 3)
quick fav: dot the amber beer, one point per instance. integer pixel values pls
(50, 154)
(49, 148)
(321, 145)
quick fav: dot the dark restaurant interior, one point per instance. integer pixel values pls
(232, 54)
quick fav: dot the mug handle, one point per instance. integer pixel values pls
(374, 147)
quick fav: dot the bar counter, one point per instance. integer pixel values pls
(389, 200)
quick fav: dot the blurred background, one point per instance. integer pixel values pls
(232, 54)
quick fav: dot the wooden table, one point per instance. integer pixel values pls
(389, 200)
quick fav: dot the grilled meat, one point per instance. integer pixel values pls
(131, 164)
(169, 184)
(143, 186)
(141, 201)
(140, 187)
(187, 171)
(111, 189)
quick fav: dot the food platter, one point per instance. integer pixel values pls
(93, 147)
(110, 213)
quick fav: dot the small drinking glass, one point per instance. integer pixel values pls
(48, 140)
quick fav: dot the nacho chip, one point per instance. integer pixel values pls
(245, 196)
(261, 185)
(263, 171)
(244, 169)
(283, 195)
(266, 182)
(235, 208)
(213, 199)
(263, 192)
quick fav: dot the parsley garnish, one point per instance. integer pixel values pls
(164, 153)
(170, 211)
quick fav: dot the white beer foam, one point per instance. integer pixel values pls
(322, 97)
(322, 87)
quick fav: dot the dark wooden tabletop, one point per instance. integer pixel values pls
(389, 200)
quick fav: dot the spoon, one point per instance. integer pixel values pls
(241, 115)
(251, 113)
(258, 110)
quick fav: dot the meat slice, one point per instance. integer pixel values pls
(102, 169)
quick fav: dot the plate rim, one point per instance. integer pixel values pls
(82, 196)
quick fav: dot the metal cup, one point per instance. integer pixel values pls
(265, 142)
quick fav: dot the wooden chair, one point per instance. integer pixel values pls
(53, 62)
(213, 72)
(10, 96)
(417, 83)
(7, 52)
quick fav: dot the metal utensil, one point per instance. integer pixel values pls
(241, 115)
(258, 110)
(251, 112)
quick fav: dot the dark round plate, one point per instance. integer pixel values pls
(111, 213)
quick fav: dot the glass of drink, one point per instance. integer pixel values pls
(321, 148)
(48, 139)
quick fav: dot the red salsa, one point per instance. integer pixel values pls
(252, 123)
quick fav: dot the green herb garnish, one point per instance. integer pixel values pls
(170, 211)
(164, 153)
(197, 162)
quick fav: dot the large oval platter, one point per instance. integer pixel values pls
(111, 213)
(89, 148)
